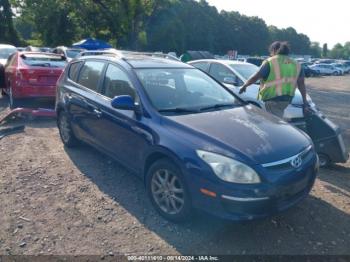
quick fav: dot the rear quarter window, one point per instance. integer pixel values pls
(204, 66)
(90, 74)
(74, 71)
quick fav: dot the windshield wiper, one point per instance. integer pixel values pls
(178, 110)
(218, 106)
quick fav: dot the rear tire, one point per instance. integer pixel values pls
(12, 101)
(336, 73)
(167, 190)
(324, 160)
(65, 129)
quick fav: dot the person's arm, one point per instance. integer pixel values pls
(250, 81)
(261, 74)
(302, 88)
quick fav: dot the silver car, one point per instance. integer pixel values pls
(5, 52)
(234, 74)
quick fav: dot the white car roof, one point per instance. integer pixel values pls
(6, 46)
(223, 61)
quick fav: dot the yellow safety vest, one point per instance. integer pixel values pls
(282, 80)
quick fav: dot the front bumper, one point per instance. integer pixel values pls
(249, 202)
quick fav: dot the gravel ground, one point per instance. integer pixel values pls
(60, 201)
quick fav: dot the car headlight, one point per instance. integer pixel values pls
(228, 169)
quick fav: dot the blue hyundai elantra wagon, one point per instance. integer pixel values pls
(193, 142)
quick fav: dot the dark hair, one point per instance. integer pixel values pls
(279, 48)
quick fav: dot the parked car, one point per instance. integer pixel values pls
(32, 74)
(253, 60)
(347, 65)
(325, 61)
(193, 142)
(5, 52)
(32, 49)
(68, 52)
(45, 49)
(341, 67)
(234, 74)
(309, 72)
(326, 69)
(20, 49)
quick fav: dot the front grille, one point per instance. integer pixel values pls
(285, 164)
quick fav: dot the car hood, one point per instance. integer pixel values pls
(247, 130)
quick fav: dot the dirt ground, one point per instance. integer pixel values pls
(60, 201)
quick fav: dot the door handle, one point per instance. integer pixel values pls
(97, 112)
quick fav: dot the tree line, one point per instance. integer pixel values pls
(147, 25)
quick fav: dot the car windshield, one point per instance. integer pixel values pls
(6, 52)
(184, 91)
(72, 53)
(245, 70)
(43, 60)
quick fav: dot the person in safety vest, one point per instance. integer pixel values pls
(279, 76)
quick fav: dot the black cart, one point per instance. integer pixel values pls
(327, 139)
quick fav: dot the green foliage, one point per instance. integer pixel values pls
(315, 49)
(340, 52)
(154, 25)
(325, 50)
(8, 34)
(300, 43)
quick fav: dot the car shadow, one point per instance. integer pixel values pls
(312, 227)
(337, 175)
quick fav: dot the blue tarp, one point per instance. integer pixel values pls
(92, 44)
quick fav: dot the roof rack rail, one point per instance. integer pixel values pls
(155, 54)
(112, 52)
(126, 54)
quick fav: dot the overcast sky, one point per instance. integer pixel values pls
(323, 21)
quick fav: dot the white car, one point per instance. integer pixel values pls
(340, 66)
(234, 74)
(327, 69)
(68, 52)
(5, 52)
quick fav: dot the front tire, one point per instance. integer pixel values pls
(65, 129)
(324, 160)
(168, 192)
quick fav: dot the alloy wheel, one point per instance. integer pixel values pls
(168, 192)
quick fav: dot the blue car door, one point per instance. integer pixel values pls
(123, 133)
(82, 104)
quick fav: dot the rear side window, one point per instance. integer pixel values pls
(43, 60)
(117, 83)
(220, 72)
(204, 66)
(74, 71)
(90, 74)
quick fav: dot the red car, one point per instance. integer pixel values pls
(32, 74)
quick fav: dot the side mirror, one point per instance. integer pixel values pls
(123, 102)
(231, 81)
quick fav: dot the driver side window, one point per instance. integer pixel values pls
(221, 73)
(117, 83)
